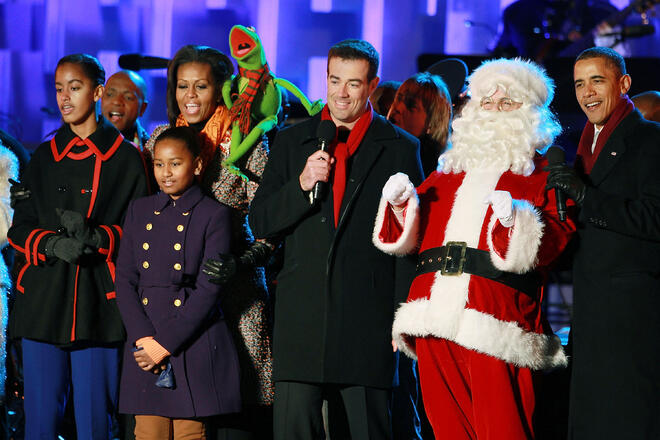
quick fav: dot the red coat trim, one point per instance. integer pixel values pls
(92, 149)
(57, 155)
(119, 230)
(19, 278)
(108, 154)
(35, 248)
(95, 185)
(75, 300)
(111, 248)
(80, 156)
(15, 246)
(26, 251)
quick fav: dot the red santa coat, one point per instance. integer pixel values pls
(472, 311)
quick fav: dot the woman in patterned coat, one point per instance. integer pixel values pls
(194, 83)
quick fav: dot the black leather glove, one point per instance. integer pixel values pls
(222, 269)
(17, 192)
(76, 227)
(566, 179)
(64, 248)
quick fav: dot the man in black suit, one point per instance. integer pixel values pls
(336, 293)
(615, 383)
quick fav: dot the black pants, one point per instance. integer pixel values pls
(297, 411)
(252, 423)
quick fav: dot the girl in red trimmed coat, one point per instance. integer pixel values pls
(80, 183)
(485, 230)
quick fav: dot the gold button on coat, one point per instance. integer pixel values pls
(177, 266)
(145, 265)
(157, 212)
(177, 302)
(145, 246)
(149, 226)
(179, 228)
(177, 246)
(145, 301)
(186, 213)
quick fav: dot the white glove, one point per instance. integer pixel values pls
(398, 189)
(502, 204)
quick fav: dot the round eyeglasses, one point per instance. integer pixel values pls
(503, 104)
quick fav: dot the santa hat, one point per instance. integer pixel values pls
(523, 81)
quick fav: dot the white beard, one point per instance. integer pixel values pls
(498, 141)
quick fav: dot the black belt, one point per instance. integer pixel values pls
(456, 258)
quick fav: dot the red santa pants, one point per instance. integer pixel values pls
(469, 395)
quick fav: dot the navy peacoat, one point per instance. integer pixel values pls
(161, 292)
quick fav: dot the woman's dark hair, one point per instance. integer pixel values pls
(221, 69)
(89, 64)
(184, 134)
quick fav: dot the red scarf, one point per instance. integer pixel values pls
(585, 157)
(343, 151)
(241, 108)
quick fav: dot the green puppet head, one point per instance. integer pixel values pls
(246, 47)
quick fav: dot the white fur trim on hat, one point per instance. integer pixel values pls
(524, 239)
(523, 81)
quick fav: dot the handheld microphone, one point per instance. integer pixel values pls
(326, 133)
(556, 156)
(136, 61)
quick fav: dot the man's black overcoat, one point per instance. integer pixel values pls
(336, 292)
(616, 326)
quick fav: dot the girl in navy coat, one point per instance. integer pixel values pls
(171, 311)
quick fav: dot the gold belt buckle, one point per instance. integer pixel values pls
(449, 265)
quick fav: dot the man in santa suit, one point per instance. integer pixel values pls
(485, 230)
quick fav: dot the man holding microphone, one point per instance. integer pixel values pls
(336, 292)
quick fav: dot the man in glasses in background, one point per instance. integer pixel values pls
(485, 230)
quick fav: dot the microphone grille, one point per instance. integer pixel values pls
(326, 130)
(555, 155)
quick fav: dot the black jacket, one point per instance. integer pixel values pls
(336, 292)
(58, 302)
(616, 324)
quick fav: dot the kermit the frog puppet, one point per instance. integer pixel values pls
(255, 107)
